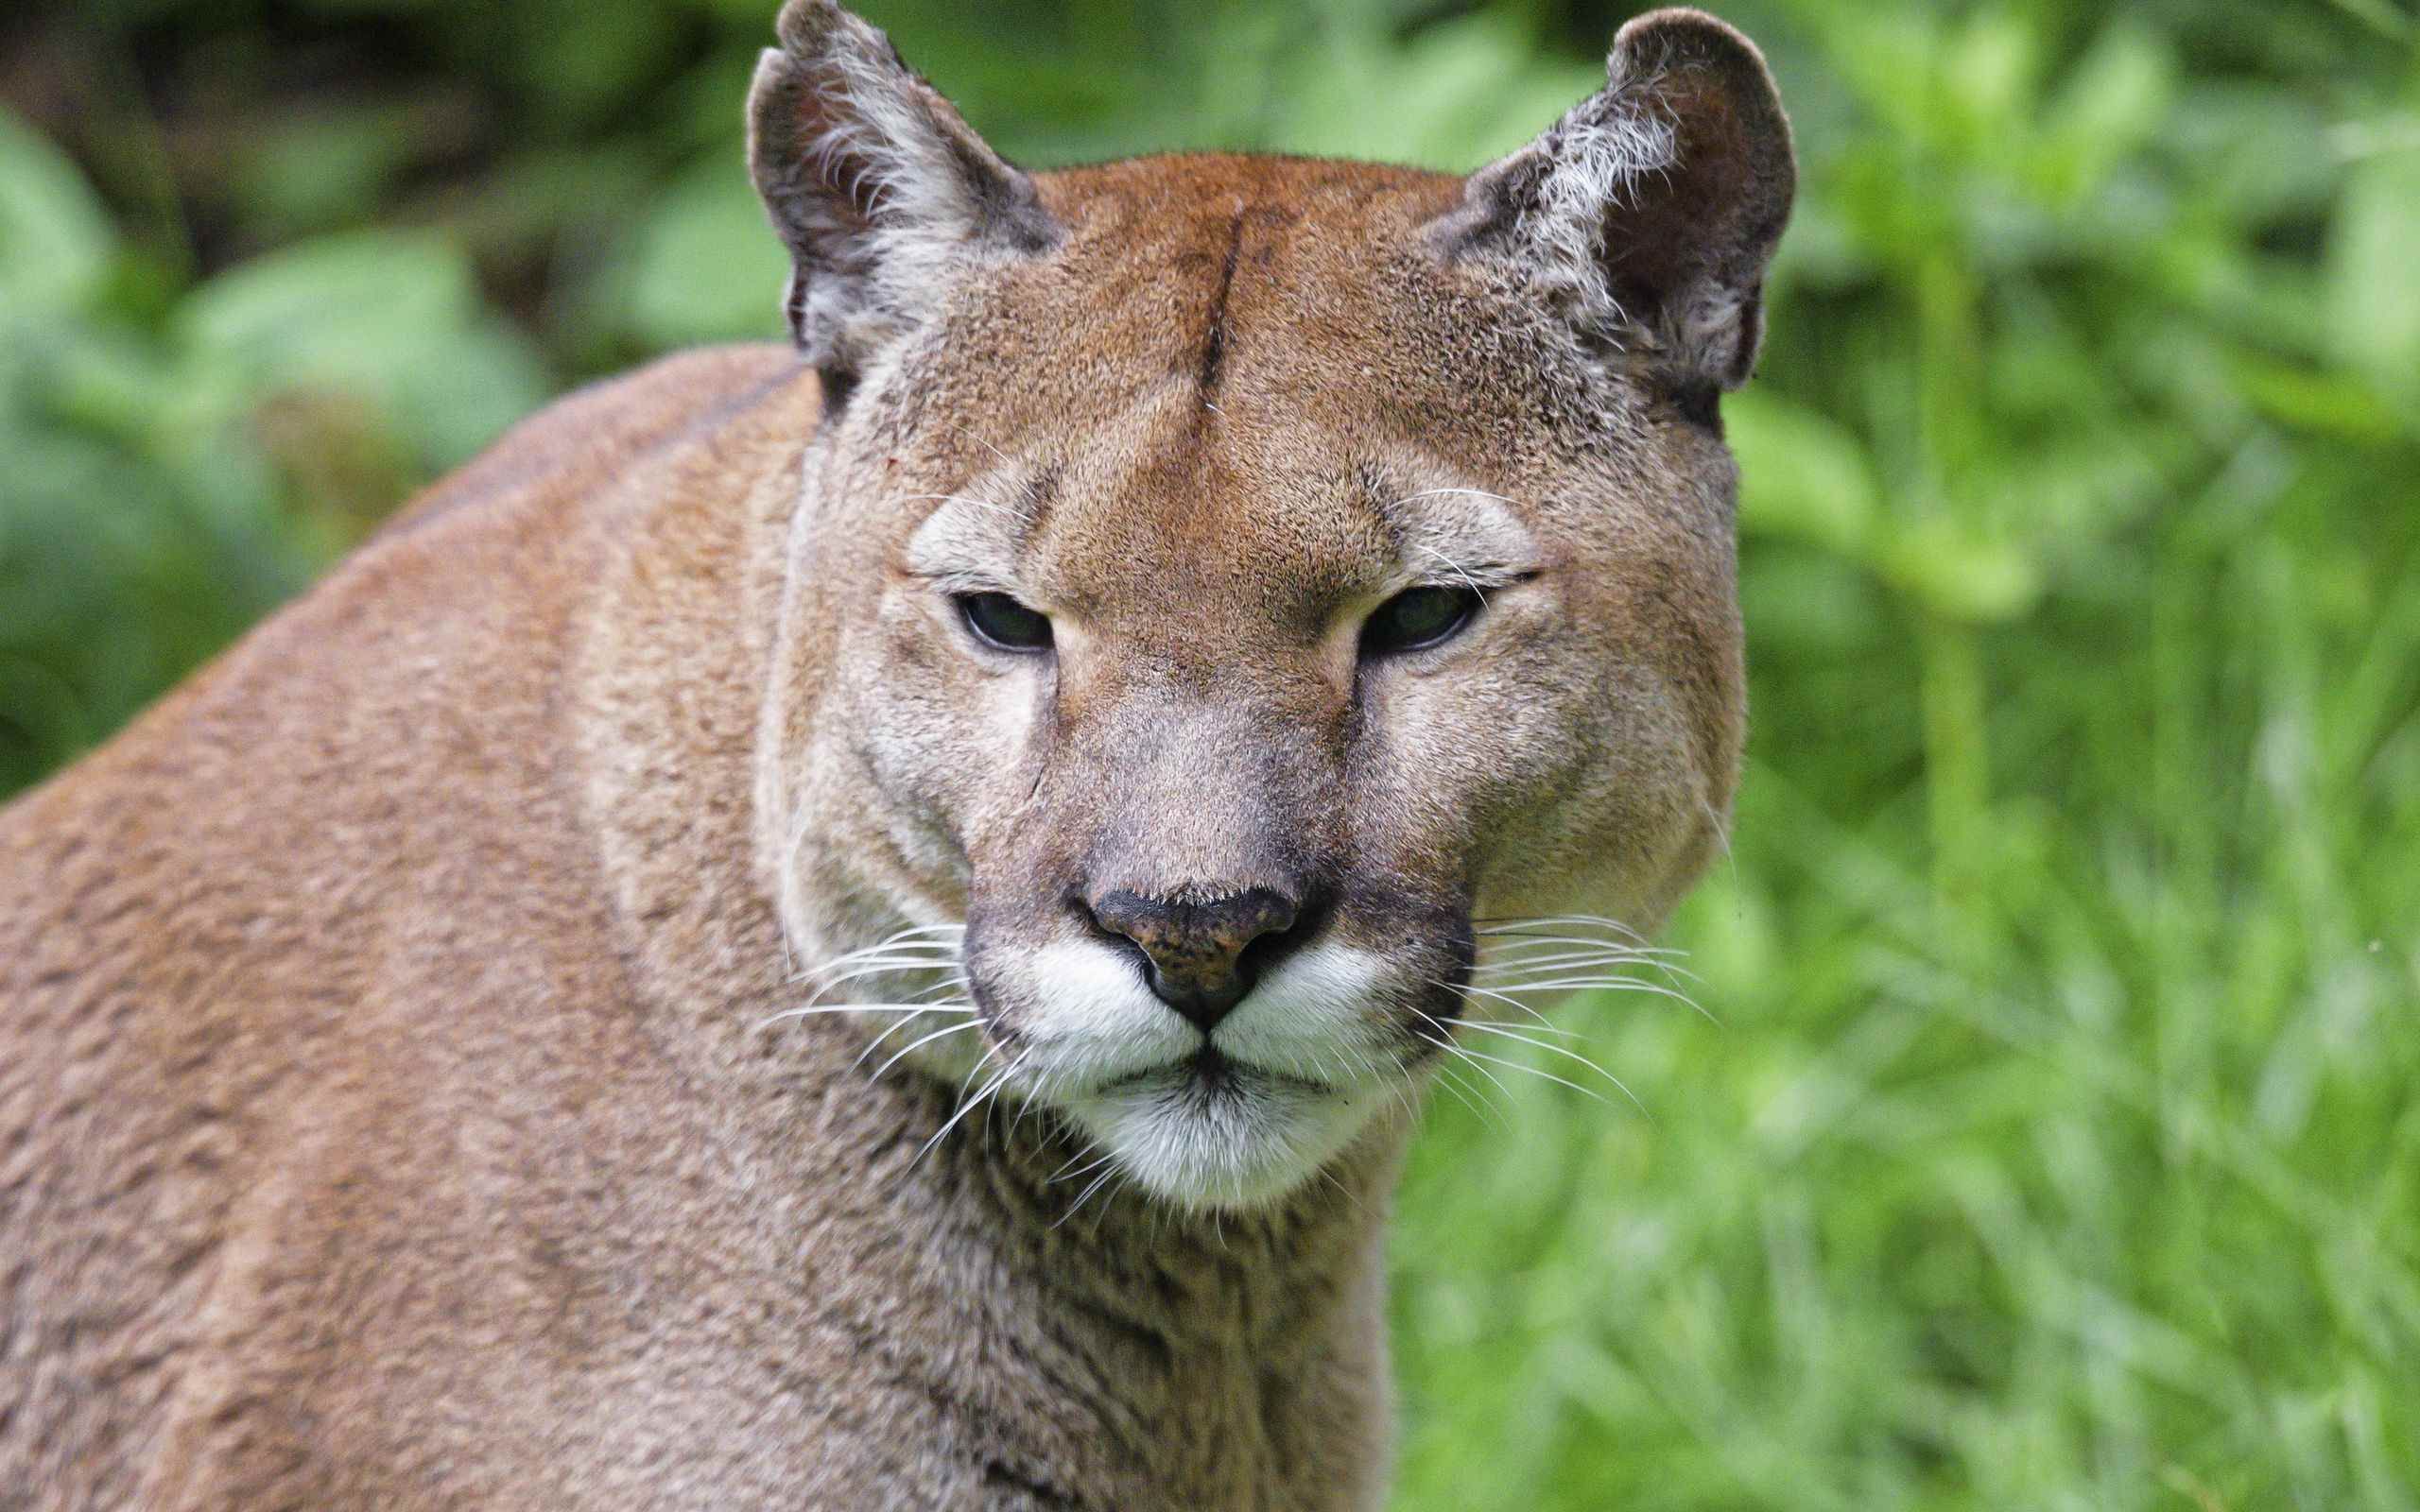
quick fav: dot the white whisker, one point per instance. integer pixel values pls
(1530, 947)
(826, 982)
(1444, 1042)
(1618, 983)
(1064, 1173)
(1082, 1197)
(1522, 940)
(1533, 1070)
(914, 1046)
(1517, 924)
(1453, 1084)
(967, 1106)
(1458, 570)
(1512, 1001)
(773, 1019)
(866, 1053)
(1557, 1050)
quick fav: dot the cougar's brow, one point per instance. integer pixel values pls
(1040, 495)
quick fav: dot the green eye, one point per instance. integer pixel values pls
(1419, 617)
(1000, 621)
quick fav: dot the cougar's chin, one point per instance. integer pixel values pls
(1216, 1133)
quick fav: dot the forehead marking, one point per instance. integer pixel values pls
(1214, 340)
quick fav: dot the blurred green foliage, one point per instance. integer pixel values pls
(2050, 1141)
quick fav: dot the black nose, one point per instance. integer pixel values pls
(1201, 952)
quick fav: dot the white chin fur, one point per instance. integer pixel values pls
(1303, 1077)
(1246, 1142)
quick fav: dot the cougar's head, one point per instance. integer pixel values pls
(1222, 584)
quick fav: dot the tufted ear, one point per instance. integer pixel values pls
(882, 192)
(1647, 213)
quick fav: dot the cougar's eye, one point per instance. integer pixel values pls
(1419, 617)
(998, 620)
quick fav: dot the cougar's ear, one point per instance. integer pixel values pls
(881, 191)
(1647, 213)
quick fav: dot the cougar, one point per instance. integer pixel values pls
(863, 923)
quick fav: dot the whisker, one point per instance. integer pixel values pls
(914, 1046)
(1064, 1173)
(1618, 983)
(1581, 962)
(773, 1019)
(825, 978)
(981, 442)
(1589, 954)
(1568, 1055)
(1554, 918)
(1604, 931)
(863, 1056)
(938, 944)
(1447, 1045)
(924, 938)
(1522, 940)
(1453, 1084)
(827, 981)
(899, 949)
(1518, 975)
(1458, 570)
(1082, 1197)
(1533, 1070)
(1527, 946)
(989, 1090)
(1489, 992)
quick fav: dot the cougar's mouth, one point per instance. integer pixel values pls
(1210, 1071)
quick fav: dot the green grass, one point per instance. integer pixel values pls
(2050, 1139)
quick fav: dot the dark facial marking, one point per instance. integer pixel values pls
(1214, 344)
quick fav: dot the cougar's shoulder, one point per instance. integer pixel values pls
(203, 924)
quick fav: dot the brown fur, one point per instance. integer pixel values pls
(385, 1115)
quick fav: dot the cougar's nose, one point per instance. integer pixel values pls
(1202, 963)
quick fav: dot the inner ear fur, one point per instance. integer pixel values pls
(879, 188)
(1647, 214)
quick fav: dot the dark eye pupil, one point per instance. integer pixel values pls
(1004, 621)
(1419, 617)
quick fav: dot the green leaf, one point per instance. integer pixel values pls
(390, 319)
(2112, 103)
(1800, 473)
(701, 266)
(2374, 268)
(2251, 153)
(2330, 404)
(1961, 575)
(1484, 89)
(56, 241)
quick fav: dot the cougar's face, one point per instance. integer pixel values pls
(1229, 650)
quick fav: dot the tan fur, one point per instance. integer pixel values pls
(386, 1117)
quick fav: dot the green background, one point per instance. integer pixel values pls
(2049, 1138)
